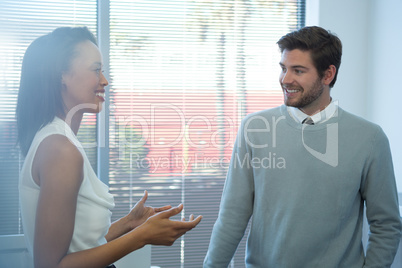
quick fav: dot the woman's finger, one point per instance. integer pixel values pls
(170, 212)
(144, 197)
(160, 209)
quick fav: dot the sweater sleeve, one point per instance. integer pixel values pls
(236, 207)
(380, 194)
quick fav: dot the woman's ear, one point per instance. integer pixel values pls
(64, 79)
(329, 75)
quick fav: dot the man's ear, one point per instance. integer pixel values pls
(329, 75)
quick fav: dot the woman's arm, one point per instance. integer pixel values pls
(157, 230)
(57, 169)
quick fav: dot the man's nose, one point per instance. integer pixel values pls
(286, 78)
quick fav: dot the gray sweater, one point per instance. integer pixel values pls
(304, 187)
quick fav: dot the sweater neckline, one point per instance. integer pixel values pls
(317, 127)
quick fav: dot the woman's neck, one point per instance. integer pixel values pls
(73, 121)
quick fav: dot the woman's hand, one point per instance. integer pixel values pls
(161, 230)
(137, 216)
(140, 212)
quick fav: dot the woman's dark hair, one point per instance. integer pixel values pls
(325, 47)
(39, 96)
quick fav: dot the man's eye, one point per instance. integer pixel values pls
(299, 71)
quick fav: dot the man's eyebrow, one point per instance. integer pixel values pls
(299, 67)
(294, 66)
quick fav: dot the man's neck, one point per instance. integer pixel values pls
(312, 111)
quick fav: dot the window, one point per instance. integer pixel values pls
(182, 75)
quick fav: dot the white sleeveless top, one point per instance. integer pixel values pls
(94, 203)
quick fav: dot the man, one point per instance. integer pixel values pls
(304, 170)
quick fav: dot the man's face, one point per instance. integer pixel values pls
(302, 87)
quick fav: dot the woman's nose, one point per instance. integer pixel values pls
(103, 80)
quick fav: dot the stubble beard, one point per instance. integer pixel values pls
(313, 94)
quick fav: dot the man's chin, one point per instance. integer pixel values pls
(291, 104)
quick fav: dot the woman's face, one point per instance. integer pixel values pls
(84, 83)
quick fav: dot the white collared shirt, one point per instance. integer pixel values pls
(318, 118)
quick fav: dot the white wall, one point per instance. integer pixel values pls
(347, 19)
(385, 102)
(371, 33)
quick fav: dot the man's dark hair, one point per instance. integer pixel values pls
(325, 47)
(39, 96)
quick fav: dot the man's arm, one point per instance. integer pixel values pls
(235, 209)
(380, 194)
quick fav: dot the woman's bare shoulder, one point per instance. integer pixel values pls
(57, 157)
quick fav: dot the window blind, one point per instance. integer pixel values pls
(183, 75)
(21, 22)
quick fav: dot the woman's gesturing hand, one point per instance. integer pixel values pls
(140, 212)
(161, 230)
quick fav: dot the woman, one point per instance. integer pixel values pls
(65, 207)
